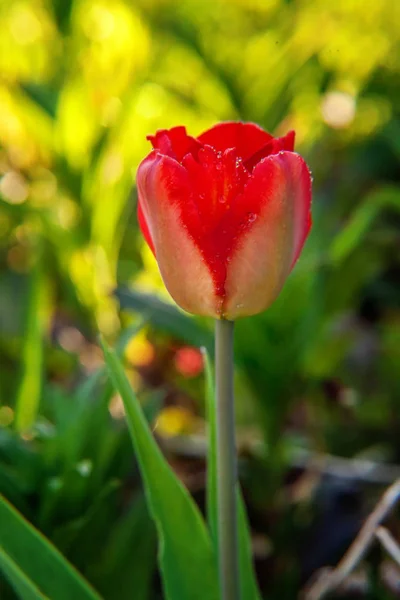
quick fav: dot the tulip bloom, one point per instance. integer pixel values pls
(225, 214)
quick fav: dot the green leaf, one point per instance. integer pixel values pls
(211, 499)
(248, 583)
(120, 576)
(166, 317)
(38, 560)
(22, 585)
(45, 97)
(187, 558)
(28, 397)
(78, 536)
(362, 219)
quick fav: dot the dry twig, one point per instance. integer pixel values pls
(389, 543)
(331, 579)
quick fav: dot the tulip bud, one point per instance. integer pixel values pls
(225, 214)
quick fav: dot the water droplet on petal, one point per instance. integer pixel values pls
(251, 217)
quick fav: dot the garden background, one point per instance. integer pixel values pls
(82, 82)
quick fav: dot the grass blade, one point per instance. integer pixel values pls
(38, 559)
(186, 555)
(23, 587)
(28, 397)
(120, 576)
(166, 317)
(211, 498)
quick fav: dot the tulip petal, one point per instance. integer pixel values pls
(273, 147)
(169, 213)
(246, 138)
(277, 202)
(174, 142)
(144, 227)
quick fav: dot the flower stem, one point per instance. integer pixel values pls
(226, 462)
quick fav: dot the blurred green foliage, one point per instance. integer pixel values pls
(82, 82)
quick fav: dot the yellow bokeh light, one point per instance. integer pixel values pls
(6, 416)
(14, 188)
(176, 420)
(139, 351)
(24, 24)
(338, 109)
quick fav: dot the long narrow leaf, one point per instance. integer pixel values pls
(23, 586)
(361, 220)
(28, 397)
(120, 576)
(211, 498)
(248, 583)
(186, 556)
(38, 559)
(166, 317)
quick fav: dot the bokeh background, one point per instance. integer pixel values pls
(82, 82)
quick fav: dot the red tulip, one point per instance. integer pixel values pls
(226, 215)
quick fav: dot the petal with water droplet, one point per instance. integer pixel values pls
(279, 194)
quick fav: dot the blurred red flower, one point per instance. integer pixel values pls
(188, 361)
(226, 215)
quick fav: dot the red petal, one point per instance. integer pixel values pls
(216, 179)
(274, 217)
(144, 227)
(287, 141)
(273, 147)
(174, 142)
(165, 198)
(247, 138)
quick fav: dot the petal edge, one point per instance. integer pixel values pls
(279, 194)
(163, 187)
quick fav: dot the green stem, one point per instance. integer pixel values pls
(226, 462)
